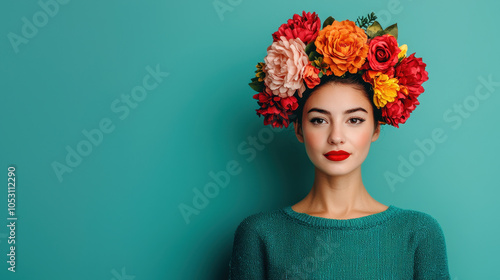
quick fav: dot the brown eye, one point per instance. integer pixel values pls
(315, 121)
(356, 120)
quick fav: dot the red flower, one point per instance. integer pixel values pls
(383, 54)
(305, 27)
(399, 111)
(311, 77)
(411, 74)
(274, 108)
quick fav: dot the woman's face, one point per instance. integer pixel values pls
(337, 117)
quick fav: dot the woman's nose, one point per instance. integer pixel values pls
(336, 134)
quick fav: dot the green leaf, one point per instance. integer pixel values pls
(256, 85)
(328, 21)
(373, 29)
(372, 16)
(379, 33)
(313, 55)
(310, 47)
(364, 22)
(392, 30)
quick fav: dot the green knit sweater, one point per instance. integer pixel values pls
(394, 244)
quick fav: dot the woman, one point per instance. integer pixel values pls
(338, 231)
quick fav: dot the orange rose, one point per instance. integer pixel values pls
(343, 45)
(311, 76)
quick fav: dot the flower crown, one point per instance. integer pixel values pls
(301, 54)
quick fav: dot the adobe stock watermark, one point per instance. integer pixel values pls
(453, 116)
(121, 276)
(393, 7)
(121, 107)
(48, 9)
(223, 6)
(310, 264)
(221, 179)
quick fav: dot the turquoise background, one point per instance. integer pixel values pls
(116, 214)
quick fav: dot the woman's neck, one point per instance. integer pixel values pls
(339, 197)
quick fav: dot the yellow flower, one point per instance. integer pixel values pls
(259, 73)
(385, 90)
(404, 49)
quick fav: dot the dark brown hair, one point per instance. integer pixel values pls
(354, 80)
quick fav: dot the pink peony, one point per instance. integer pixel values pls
(305, 27)
(285, 63)
(275, 109)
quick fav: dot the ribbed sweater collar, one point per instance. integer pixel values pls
(356, 223)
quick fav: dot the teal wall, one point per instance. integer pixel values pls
(112, 211)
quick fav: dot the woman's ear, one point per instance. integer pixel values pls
(298, 131)
(376, 133)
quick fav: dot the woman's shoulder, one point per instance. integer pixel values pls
(261, 220)
(419, 219)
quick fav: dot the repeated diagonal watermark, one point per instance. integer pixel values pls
(31, 26)
(454, 116)
(121, 276)
(121, 107)
(384, 16)
(223, 6)
(221, 179)
(308, 265)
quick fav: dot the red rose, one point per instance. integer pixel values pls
(411, 74)
(274, 108)
(311, 77)
(383, 53)
(399, 111)
(305, 27)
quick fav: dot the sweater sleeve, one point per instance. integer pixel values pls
(431, 260)
(247, 259)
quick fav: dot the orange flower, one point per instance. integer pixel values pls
(343, 45)
(311, 76)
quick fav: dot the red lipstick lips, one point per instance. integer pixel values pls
(337, 155)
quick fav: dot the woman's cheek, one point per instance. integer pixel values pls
(363, 139)
(313, 138)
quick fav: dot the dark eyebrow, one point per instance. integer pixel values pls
(345, 112)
